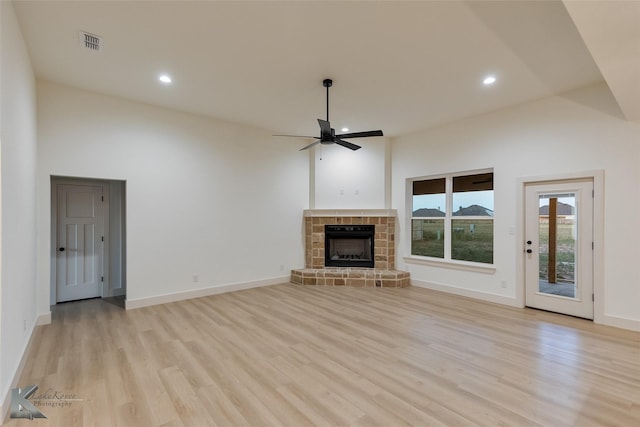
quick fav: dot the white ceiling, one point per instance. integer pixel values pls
(396, 66)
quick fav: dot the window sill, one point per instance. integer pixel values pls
(454, 265)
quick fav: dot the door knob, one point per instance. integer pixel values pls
(529, 242)
(529, 251)
(61, 249)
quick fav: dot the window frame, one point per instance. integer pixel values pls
(447, 261)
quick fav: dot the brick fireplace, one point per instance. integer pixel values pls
(382, 275)
(314, 237)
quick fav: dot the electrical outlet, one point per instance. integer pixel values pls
(503, 284)
(196, 278)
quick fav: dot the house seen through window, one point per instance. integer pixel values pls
(452, 217)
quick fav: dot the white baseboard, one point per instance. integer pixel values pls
(498, 299)
(197, 293)
(6, 399)
(44, 319)
(620, 322)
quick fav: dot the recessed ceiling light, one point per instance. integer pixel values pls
(165, 79)
(489, 80)
(345, 129)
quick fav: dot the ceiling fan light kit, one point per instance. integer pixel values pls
(328, 134)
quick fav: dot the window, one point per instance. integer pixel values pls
(452, 217)
(427, 224)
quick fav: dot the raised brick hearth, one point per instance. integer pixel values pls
(384, 273)
(354, 277)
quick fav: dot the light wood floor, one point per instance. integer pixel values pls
(298, 356)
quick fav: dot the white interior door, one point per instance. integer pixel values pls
(559, 247)
(79, 249)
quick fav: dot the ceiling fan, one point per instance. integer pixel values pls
(328, 134)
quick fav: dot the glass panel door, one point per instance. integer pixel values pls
(557, 238)
(558, 247)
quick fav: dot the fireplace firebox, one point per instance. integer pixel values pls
(349, 246)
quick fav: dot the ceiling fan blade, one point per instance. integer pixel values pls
(310, 145)
(297, 136)
(361, 134)
(346, 144)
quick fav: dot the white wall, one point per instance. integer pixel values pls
(18, 226)
(581, 131)
(347, 179)
(203, 197)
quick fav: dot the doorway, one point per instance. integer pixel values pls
(87, 239)
(559, 246)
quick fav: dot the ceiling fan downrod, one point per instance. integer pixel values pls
(327, 83)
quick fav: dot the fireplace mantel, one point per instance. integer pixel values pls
(390, 213)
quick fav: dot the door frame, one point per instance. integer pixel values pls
(55, 181)
(598, 233)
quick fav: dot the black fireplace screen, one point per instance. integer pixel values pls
(349, 246)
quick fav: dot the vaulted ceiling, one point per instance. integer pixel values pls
(397, 66)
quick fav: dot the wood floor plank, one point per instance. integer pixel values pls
(220, 407)
(97, 408)
(133, 414)
(265, 391)
(184, 398)
(287, 355)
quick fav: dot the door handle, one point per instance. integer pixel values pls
(529, 251)
(61, 249)
(529, 242)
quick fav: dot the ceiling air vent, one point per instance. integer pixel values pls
(91, 41)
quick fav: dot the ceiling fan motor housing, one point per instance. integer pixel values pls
(328, 138)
